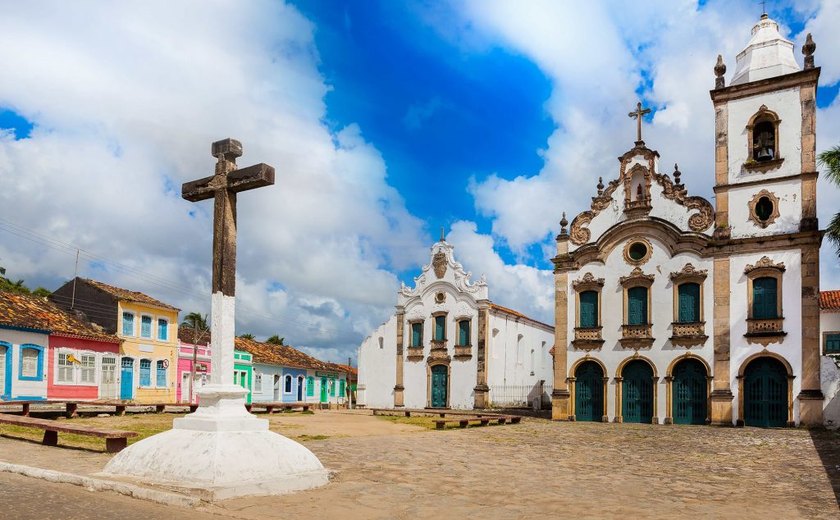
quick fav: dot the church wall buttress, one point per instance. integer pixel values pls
(560, 396)
(721, 396)
(398, 387)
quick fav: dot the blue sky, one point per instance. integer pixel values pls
(384, 120)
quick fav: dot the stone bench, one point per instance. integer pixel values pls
(480, 420)
(270, 407)
(115, 440)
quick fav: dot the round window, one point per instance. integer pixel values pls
(637, 251)
(764, 209)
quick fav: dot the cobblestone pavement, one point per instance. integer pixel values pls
(557, 470)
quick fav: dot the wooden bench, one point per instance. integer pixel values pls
(480, 420)
(115, 440)
(270, 407)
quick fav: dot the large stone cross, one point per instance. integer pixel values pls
(223, 187)
(637, 115)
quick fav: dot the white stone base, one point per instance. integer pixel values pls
(221, 451)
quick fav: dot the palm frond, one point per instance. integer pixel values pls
(832, 232)
(830, 160)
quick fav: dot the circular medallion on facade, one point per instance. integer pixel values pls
(440, 297)
(637, 251)
(764, 208)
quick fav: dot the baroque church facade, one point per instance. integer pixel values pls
(449, 346)
(672, 310)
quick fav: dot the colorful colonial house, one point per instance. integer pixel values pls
(243, 371)
(48, 353)
(147, 328)
(830, 359)
(193, 350)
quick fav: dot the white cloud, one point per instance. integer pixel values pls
(128, 96)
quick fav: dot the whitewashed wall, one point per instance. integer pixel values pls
(517, 356)
(377, 367)
(266, 393)
(829, 372)
(26, 388)
(788, 192)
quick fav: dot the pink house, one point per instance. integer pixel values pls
(193, 348)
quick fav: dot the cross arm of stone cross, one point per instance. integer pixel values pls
(244, 179)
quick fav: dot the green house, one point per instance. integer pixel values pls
(243, 371)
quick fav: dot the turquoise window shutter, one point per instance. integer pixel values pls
(689, 303)
(764, 298)
(163, 329)
(464, 332)
(146, 326)
(440, 328)
(832, 344)
(589, 309)
(128, 324)
(637, 306)
(416, 334)
(145, 372)
(160, 374)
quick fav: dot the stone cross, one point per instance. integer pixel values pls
(223, 187)
(637, 115)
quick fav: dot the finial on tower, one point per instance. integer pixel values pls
(442, 237)
(563, 224)
(637, 115)
(600, 186)
(808, 50)
(677, 173)
(720, 70)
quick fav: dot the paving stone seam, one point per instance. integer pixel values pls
(94, 484)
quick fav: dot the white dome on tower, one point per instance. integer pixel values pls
(767, 54)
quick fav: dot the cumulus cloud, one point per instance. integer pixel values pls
(126, 99)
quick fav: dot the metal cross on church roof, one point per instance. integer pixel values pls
(637, 115)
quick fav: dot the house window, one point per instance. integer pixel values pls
(287, 384)
(128, 324)
(145, 372)
(464, 332)
(832, 343)
(65, 369)
(146, 327)
(765, 305)
(163, 329)
(160, 374)
(417, 334)
(310, 386)
(440, 328)
(688, 307)
(87, 369)
(589, 309)
(637, 306)
(258, 381)
(30, 363)
(341, 384)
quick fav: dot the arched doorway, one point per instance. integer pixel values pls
(589, 392)
(637, 392)
(439, 376)
(765, 393)
(689, 389)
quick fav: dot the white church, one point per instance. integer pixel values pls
(672, 310)
(449, 346)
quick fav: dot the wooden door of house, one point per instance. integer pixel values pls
(127, 379)
(765, 393)
(689, 392)
(589, 392)
(4, 352)
(637, 392)
(108, 378)
(323, 389)
(439, 384)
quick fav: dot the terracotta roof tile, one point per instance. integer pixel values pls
(125, 294)
(830, 300)
(284, 355)
(35, 312)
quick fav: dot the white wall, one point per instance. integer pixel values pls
(788, 192)
(377, 367)
(26, 388)
(517, 356)
(266, 394)
(829, 371)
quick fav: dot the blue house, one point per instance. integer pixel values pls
(280, 372)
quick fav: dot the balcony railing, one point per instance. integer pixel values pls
(765, 330)
(636, 336)
(588, 338)
(688, 334)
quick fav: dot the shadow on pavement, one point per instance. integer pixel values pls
(827, 444)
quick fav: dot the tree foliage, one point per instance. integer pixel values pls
(195, 320)
(20, 287)
(247, 336)
(276, 340)
(830, 160)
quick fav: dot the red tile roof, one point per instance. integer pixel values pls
(830, 300)
(284, 355)
(132, 296)
(35, 312)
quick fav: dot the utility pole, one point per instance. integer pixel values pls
(75, 276)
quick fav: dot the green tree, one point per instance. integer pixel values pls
(247, 336)
(830, 160)
(276, 340)
(19, 286)
(195, 320)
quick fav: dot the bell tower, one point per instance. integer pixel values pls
(765, 191)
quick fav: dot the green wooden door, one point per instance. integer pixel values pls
(637, 392)
(323, 389)
(689, 303)
(637, 306)
(689, 392)
(589, 392)
(765, 393)
(439, 375)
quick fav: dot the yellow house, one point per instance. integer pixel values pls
(148, 328)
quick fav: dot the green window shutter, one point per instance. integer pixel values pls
(637, 306)
(416, 334)
(589, 309)
(764, 298)
(689, 303)
(341, 388)
(440, 328)
(464, 332)
(832, 344)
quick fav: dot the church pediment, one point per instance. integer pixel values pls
(443, 273)
(640, 192)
